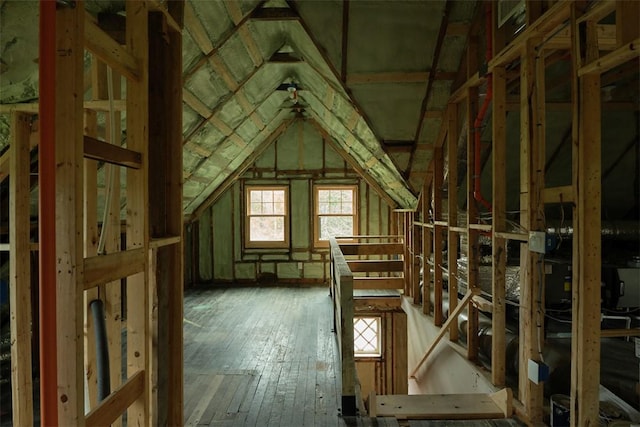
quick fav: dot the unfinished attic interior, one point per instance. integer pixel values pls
(319, 213)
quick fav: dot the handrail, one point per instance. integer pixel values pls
(342, 294)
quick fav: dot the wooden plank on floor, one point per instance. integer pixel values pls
(438, 406)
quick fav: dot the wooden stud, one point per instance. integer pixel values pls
(585, 337)
(438, 240)
(139, 335)
(531, 184)
(452, 219)
(20, 269)
(91, 238)
(427, 246)
(473, 255)
(627, 13)
(69, 217)
(499, 244)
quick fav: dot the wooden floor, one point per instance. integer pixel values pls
(260, 357)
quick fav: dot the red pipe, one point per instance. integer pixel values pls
(477, 166)
(47, 216)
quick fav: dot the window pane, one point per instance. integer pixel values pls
(331, 226)
(366, 339)
(278, 202)
(266, 229)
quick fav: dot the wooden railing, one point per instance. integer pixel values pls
(388, 277)
(342, 295)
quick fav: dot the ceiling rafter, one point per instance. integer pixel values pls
(434, 66)
(228, 168)
(345, 40)
(246, 164)
(354, 164)
(245, 35)
(189, 15)
(376, 157)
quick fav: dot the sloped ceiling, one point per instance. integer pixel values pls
(374, 76)
(361, 71)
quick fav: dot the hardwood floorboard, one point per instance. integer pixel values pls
(263, 356)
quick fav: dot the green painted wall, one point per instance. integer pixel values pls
(299, 159)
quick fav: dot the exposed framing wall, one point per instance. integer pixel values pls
(544, 34)
(152, 261)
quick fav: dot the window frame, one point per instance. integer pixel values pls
(379, 337)
(317, 243)
(247, 218)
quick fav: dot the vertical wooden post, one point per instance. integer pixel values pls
(427, 245)
(46, 213)
(111, 292)
(585, 337)
(165, 201)
(408, 246)
(627, 13)
(499, 247)
(69, 216)
(452, 253)
(139, 333)
(473, 253)
(20, 269)
(438, 241)
(531, 263)
(90, 249)
(415, 277)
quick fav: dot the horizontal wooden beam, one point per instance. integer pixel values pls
(611, 60)
(375, 265)
(387, 77)
(562, 40)
(372, 248)
(274, 14)
(367, 303)
(102, 269)
(110, 153)
(620, 332)
(159, 242)
(91, 104)
(522, 237)
(117, 402)
(110, 51)
(378, 282)
(562, 194)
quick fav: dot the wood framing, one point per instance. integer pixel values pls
(452, 218)
(472, 222)
(531, 185)
(499, 244)
(139, 295)
(69, 216)
(585, 341)
(438, 237)
(20, 270)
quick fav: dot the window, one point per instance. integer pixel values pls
(267, 217)
(366, 337)
(335, 212)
